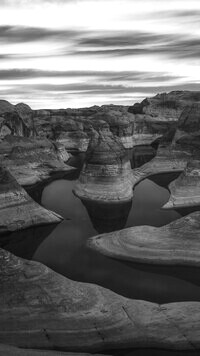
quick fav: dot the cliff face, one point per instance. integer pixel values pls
(12, 123)
(106, 175)
(185, 189)
(33, 160)
(17, 210)
(72, 127)
(166, 105)
(120, 123)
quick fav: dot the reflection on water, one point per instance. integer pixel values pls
(107, 217)
(64, 249)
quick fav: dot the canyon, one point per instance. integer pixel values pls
(44, 310)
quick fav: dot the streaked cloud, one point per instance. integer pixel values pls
(84, 52)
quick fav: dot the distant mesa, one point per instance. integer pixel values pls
(166, 105)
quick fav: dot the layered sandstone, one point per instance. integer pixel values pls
(166, 105)
(12, 124)
(106, 176)
(177, 243)
(185, 189)
(167, 160)
(42, 309)
(120, 122)
(179, 146)
(33, 160)
(17, 210)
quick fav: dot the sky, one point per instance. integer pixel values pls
(78, 53)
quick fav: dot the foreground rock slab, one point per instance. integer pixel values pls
(177, 243)
(17, 209)
(42, 309)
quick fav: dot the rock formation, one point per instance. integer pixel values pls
(166, 105)
(17, 209)
(11, 123)
(179, 146)
(40, 309)
(185, 190)
(7, 350)
(32, 160)
(177, 243)
(120, 123)
(106, 176)
(5, 106)
(167, 160)
(61, 127)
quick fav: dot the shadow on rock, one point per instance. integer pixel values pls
(25, 243)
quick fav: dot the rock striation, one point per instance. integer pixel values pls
(12, 124)
(185, 189)
(106, 175)
(40, 309)
(17, 210)
(178, 147)
(120, 123)
(33, 160)
(166, 105)
(177, 243)
(167, 160)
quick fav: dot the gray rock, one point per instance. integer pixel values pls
(17, 210)
(177, 243)
(42, 309)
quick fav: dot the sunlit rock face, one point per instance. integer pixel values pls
(106, 175)
(70, 133)
(61, 127)
(188, 130)
(166, 105)
(16, 116)
(12, 123)
(33, 160)
(179, 146)
(120, 123)
(185, 190)
(147, 129)
(168, 159)
(177, 243)
(40, 309)
(5, 106)
(17, 210)
(133, 130)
